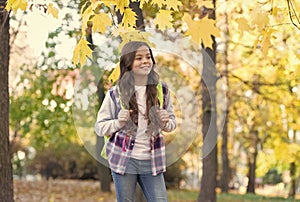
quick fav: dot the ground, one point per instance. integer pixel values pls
(89, 191)
(60, 191)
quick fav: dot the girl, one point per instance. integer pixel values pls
(134, 117)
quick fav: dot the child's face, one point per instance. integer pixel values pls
(142, 63)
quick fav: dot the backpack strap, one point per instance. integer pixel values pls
(160, 94)
(119, 93)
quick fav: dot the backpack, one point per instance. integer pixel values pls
(160, 98)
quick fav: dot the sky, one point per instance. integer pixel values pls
(37, 25)
(33, 28)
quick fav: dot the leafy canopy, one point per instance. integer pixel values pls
(101, 14)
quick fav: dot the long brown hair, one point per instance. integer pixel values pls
(126, 85)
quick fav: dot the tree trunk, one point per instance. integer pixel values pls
(103, 170)
(6, 180)
(293, 169)
(225, 177)
(252, 163)
(135, 6)
(292, 191)
(251, 174)
(209, 128)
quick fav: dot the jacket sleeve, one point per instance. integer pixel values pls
(171, 125)
(107, 122)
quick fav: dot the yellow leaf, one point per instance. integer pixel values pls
(121, 5)
(164, 19)
(108, 3)
(15, 5)
(266, 41)
(115, 74)
(159, 3)
(173, 4)
(255, 43)
(260, 18)
(201, 30)
(135, 35)
(100, 22)
(275, 10)
(279, 147)
(86, 15)
(84, 7)
(193, 29)
(53, 11)
(293, 149)
(142, 2)
(81, 51)
(129, 18)
(95, 4)
(87, 12)
(243, 25)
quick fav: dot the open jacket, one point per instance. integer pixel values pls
(120, 145)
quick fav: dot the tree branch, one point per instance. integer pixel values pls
(292, 13)
(253, 85)
(15, 34)
(249, 83)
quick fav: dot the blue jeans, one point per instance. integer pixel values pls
(139, 171)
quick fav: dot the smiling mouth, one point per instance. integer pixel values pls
(145, 67)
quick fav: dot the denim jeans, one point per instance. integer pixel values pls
(138, 171)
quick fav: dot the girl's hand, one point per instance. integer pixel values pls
(123, 117)
(164, 117)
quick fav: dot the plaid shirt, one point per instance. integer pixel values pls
(120, 146)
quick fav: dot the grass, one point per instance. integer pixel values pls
(251, 197)
(191, 196)
(175, 195)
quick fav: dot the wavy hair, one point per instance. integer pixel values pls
(126, 85)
